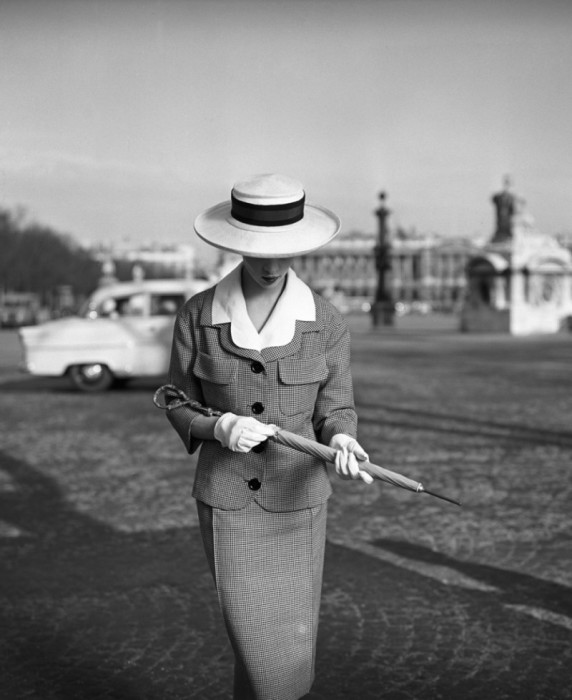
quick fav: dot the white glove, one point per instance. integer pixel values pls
(349, 451)
(241, 433)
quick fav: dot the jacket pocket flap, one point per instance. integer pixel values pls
(219, 370)
(306, 371)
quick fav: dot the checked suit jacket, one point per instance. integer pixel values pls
(304, 386)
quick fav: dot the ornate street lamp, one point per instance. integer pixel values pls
(383, 308)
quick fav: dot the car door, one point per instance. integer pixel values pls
(151, 318)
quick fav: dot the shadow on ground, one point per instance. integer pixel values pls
(514, 588)
(90, 613)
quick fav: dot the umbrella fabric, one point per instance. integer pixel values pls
(328, 454)
(297, 442)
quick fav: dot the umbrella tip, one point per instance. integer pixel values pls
(439, 495)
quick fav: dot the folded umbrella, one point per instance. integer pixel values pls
(170, 397)
(328, 454)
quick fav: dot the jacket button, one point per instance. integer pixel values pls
(254, 484)
(257, 367)
(257, 408)
(260, 447)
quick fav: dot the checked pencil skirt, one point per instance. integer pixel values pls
(267, 568)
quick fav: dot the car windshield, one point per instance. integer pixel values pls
(135, 304)
(116, 306)
(166, 304)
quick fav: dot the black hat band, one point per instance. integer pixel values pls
(267, 214)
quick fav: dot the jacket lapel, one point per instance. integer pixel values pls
(268, 354)
(278, 352)
(224, 335)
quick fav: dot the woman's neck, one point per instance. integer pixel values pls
(260, 301)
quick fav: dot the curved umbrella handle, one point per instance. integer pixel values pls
(169, 397)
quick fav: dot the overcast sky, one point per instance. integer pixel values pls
(124, 119)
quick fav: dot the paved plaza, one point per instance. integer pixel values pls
(105, 593)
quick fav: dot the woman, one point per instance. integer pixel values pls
(262, 349)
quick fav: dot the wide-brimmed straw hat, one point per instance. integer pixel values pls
(267, 217)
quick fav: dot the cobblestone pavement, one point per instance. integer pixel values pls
(105, 593)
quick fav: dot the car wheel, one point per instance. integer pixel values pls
(94, 377)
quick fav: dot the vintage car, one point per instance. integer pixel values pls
(123, 331)
(19, 309)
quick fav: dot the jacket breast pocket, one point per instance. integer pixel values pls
(217, 376)
(299, 382)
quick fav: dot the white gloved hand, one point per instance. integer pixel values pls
(349, 451)
(241, 433)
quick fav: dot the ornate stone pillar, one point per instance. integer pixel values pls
(382, 310)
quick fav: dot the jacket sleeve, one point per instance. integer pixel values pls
(334, 410)
(183, 354)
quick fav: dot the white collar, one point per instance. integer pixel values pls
(295, 303)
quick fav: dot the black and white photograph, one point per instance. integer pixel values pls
(285, 350)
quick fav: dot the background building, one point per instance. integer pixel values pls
(520, 282)
(153, 260)
(427, 270)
